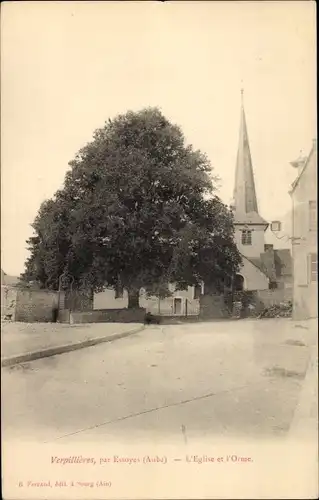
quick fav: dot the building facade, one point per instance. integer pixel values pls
(304, 237)
(180, 303)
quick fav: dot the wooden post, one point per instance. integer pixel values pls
(232, 293)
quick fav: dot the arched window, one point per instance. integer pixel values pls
(239, 283)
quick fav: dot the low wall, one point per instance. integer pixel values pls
(253, 303)
(172, 320)
(213, 306)
(35, 305)
(276, 296)
(64, 316)
(8, 302)
(108, 316)
(79, 300)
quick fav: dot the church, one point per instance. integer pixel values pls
(263, 267)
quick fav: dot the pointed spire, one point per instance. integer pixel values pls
(242, 98)
(245, 199)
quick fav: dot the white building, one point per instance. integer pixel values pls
(304, 238)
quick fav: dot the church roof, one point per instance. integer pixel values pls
(249, 218)
(275, 264)
(257, 262)
(265, 265)
(283, 262)
(245, 200)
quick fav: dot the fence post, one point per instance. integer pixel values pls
(59, 295)
(70, 280)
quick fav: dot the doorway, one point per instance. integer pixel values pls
(239, 283)
(178, 306)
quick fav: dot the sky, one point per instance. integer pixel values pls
(66, 67)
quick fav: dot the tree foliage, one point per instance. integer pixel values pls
(137, 208)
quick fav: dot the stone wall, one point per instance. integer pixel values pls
(173, 320)
(8, 302)
(35, 305)
(276, 296)
(255, 302)
(64, 316)
(247, 303)
(108, 316)
(213, 307)
(285, 282)
(79, 300)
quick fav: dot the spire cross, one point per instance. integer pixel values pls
(242, 96)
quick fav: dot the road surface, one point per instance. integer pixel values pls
(236, 378)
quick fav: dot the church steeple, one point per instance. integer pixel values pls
(244, 199)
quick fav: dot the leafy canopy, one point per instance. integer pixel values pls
(138, 209)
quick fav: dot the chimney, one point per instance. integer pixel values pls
(299, 163)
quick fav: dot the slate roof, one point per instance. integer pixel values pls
(265, 266)
(244, 198)
(274, 264)
(249, 218)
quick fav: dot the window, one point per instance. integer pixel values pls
(275, 226)
(246, 237)
(312, 215)
(313, 272)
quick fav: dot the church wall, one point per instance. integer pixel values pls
(258, 240)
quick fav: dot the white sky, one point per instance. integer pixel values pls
(66, 67)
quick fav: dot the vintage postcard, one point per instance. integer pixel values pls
(159, 250)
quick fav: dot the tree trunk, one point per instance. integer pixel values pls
(133, 299)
